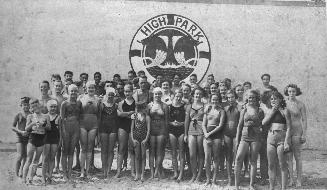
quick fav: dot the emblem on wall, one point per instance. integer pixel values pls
(170, 44)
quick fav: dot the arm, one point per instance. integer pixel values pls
(268, 116)
(132, 130)
(204, 123)
(120, 111)
(187, 122)
(48, 126)
(29, 123)
(14, 126)
(304, 120)
(288, 129)
(148, 121)
(166, 111)
(221, 123)
(63, 110)
(240, 127)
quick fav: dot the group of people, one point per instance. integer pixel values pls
(209, 123)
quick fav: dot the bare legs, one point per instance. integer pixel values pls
(87, 142)
(296, 153)
(229, 148)
(177, 143)
(108, 141)
(31, 150)
(195, 144)
(20, 159)
(48, 162)
(123, 137)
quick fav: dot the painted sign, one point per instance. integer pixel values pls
(170, 44)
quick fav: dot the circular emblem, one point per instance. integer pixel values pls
(170, 44)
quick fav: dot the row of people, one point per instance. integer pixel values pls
(204, 122)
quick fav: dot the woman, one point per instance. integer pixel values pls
(239, 90)
(158, 114)
(278, 120)
(187, 97)
(206, 88)
(18, 127)
(125, 109)
(37, 123)
(298, 113)
(232, 118)
(51, 141)
(212, 126)
(167, 95)
(89, 126)
(70, 114)
(176, 133)
(108, 129)
(140, 133)
(248, 135)
(193, 134)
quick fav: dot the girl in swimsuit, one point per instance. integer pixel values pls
(89, 126)
(299, 130)
(18, 127)
(206, 88)
(108, 130)
(51, 141)
(57, 95)
(125, 109)
(176, 133)
(212, 126)
(140, 130)
(194, 134)
(232, 118)
(278, 119)
(158, 114)
(70, 114)
(37, 123)
(239, 90)
(248, 135)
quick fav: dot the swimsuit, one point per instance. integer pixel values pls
(108, 119)
(71, 124)
(140, 129)
(277, 137)
(124, 122)
(251, 130)
(53, 135)
(232, 118)
(196, 118)
(20, 122)
(218, 134)
(157, 122)
(90, 110)
(176, 114)
(37, 139)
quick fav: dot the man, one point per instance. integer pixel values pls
(176, 83)
(247, 85)
(130, 76)
(193, 79)
(99, 87)
(83, 77)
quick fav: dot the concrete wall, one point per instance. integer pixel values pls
(40, 37)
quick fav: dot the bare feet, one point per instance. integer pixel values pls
(179, 179)
(118, 174)
(192, 179)
(298, 183)
(207, 182)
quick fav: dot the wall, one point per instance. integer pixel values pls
(40, 37)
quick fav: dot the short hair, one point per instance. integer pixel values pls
(97, 73)
(159, 75)
(219, 97)
(169, 83)
(238, 85)
(56, 76)
(116, 75)
(87, 75)
(266, 74)
(109, 81)
(279, 96)
(34, 100)
(211, 75)
(256, 94)
(227, 79)
(178, 90)
(52, 102)
(247, 83)
(232, 92)
(24, 100)
(89, 83)
(179, 76)
(298, 90)
(265, 96)
(129, 85)
(68, 73)
(157, 89)
(132, 72)
(120, 83)
(187, 85)
(45, 82)
(194, 75)
(200, 89)
(141, 72)
(72, 86)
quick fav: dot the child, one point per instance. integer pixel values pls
(140, 135)
(21, 134)
(51, 141)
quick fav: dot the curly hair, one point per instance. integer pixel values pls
(219, 97)
(198, 88)
(298, 90)
(232, 92)
(278, 95)
(256, 94)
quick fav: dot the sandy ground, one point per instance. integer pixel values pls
(314, 165)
